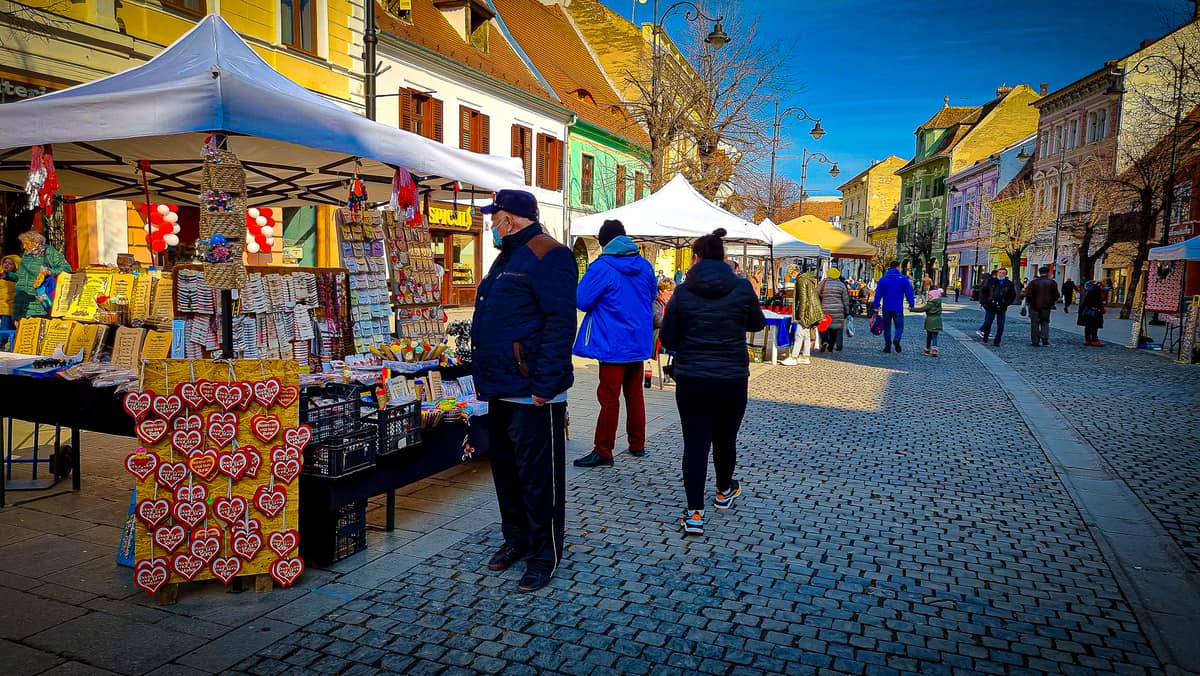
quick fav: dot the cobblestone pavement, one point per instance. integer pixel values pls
(1136, 408)
(897, 518)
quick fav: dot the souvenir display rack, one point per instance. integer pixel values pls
(416, 284)
(362, 250)
(281, 313)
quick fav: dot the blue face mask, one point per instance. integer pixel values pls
(496, 239)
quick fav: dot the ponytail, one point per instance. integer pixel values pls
(710, 247)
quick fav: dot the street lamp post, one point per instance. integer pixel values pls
(816, 132)
(805, 158)
(716, 37)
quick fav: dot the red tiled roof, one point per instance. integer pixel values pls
(949, 116)
(557, 50)
(430, 29)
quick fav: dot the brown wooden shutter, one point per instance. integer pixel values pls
(527, 153)
(406, 117)
(464, 127)
(485, 134)
(558, 164)
(543, 180)
(435, 110)
(515, 147)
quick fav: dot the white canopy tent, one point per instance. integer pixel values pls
(676, 214)
(297, 147)
(783, 244)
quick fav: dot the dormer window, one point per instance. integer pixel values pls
(401, 9)
(585, 95)
(469, 18)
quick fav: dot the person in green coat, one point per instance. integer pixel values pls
(933, 321)
(37, 263)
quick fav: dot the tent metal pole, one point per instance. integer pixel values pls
(227, 323)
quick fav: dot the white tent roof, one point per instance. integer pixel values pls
(675, 213)
(1187, 250)
(297, 146)
(782, 244)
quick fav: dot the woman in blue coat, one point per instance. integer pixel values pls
(617, 293)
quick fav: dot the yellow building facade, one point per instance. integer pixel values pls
(50, 45)
(871, 196)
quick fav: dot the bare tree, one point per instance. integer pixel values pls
(921, 241)
(753, 189)
(1015, 219)
(706, 116)
(885, 253)
(22, 22)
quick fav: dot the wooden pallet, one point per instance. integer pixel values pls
(169, 594)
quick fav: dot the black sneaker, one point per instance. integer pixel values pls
(896, 343)
(593, 460)
(536, 576)
(637, 452)
(505, 557)
(887, 350)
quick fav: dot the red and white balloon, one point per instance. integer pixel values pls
(260, 226)
(162, 225)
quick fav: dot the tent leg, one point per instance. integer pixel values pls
(1182, 310)
(227, 323)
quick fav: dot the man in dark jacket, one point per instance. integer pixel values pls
(521, 361)
(1040, 296)
(1068, 294)
(1000, 294)
(617, 293)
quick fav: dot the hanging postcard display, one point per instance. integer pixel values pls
(216, 471)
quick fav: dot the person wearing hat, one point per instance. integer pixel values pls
(40, 264)
(933, 320)
(617, 293)
(521, 338)
(835, 301)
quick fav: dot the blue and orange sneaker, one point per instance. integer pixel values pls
(693, 524)
(724, 499)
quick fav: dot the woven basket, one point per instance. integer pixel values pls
(225, 275)
(228, 175)
(231, 224)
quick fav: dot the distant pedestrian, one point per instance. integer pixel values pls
(926, 283)
(706, 325)
(678, 277)
(1068, 293)
(665, 289)
(835, 301)
(1000, 294)
(1040, 296)
(1091, 312)
(957, 289)
(933, 321)
(890, 293)
(807, 313)
(521, 362)
(617, 293)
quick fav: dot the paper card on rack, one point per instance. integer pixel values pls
(157, 345)
(161, 307)
(57, 334)
(127, 348)
(66, 289)
(139, 302)
(83, 338)
(29, 335)
(178, 336)
(83, 306)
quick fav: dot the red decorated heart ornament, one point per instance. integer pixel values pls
(153, 512)
(137, 404)
(193, 493)
(230, 510)
(171, 474)
(189, 513)
(206, 548)
(286, 470)
(246, 391)
(227, 396)
(281, 453)
(167, 406)
(288, 394)
(297, 437)
(265, 426)
(253, 461)
(207, 390)
(189, 394)
(186, 441)
(204, 464)
(226, 568)
(169, 537)
(234, 464)
(248, 525)
(222, 428)
(247, 544)
(267, 391)
(210, 532)
(187, 565)
(285, 571)
(283, 542)
(270, 501)
(187, 423)
(151, 430)
(151, 574)
(141, 464)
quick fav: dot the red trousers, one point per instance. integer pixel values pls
(614, 378)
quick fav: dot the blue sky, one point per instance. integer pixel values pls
(873, 69)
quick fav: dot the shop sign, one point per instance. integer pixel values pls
(12, 91)
(451, 218)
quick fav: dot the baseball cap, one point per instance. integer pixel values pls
(515, 202)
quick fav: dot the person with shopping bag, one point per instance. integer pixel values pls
(835, 301)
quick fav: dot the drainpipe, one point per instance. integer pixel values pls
(370, 68)
(567, 184)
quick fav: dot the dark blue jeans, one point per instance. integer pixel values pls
(999, 316)
(890, 318)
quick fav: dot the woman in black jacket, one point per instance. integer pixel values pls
(705, 325)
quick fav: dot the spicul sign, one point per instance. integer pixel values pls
(11, 91)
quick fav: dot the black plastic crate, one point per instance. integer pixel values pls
(340, 457)
(331, 411)
(398, 427)
(336, 535)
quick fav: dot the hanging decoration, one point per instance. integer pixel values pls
(43, 179)
(357, 200)
(223, 218)
(260, 230)
(406, 198)
(162, 225)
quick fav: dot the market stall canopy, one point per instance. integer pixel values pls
(676, 214)
(1187, 250)
(841, 244)
(782, 244)
(297, 146)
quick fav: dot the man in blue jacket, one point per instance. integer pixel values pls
(521, 361)
(617, 293)
(891, 292)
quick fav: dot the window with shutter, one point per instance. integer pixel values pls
(406, 118)
(620, 185)
(639, 184)
(522, 147)
(435, 120)
(485, 134)
(587, 180)
(556, 163)
(543, 160)
(464, 127)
